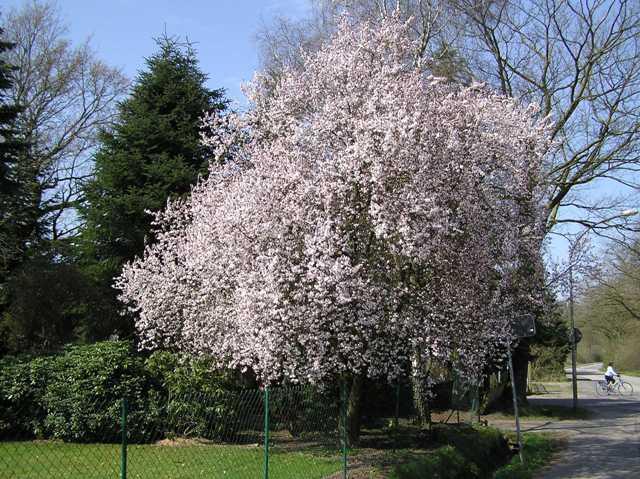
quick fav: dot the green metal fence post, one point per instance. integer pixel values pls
(477, 399)
(123, 449)
(396, 421)
(343, 413)
(266, 433)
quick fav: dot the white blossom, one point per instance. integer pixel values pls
(370, 212)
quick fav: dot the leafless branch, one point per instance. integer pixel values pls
(68, 96)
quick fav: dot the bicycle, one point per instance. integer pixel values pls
(620, 387)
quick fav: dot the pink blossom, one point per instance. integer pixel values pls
(369, 212)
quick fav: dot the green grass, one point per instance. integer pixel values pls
(479, 454)
(44, 459)
(443, 463)
(537, 452)
(465, 453)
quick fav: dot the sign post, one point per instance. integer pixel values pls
(515, 404)
(523, 327)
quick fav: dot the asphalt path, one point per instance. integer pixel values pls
(605, 446)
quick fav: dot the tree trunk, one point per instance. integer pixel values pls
(420, 400)
(521, 357)
(354, 403)
(419, 372)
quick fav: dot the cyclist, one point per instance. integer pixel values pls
(610, 376)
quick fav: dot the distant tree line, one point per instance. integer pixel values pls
(608, 310)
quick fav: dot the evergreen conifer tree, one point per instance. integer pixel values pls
(11, 187)
(152, 153)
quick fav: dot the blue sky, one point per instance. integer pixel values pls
(223, 31)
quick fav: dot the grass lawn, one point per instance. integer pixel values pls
(537, 450)
(45, 459)
(478, 454)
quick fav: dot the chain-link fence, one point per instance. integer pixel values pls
(279, 432)
(283, 432)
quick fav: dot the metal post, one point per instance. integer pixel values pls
(515, 403)
(478, 401)
(123, 449)
(396, 422)
(266, 432)
(574, 375)
(343, 413)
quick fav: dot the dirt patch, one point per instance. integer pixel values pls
(189, 441)
(180, 442)
(377, 464)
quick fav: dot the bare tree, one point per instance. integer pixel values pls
(282, 42)
(608, 307)
(617, 280)
(67, 96)
(579, 61)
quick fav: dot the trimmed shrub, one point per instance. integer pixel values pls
(486, 448)
(22, 385)
(84, 393)
(537, 449)
(304, 411)
(181, 375)
(191, 395)
(77, 395)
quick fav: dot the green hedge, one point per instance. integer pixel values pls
(22, 386)
(485, 448)
(85, 388)
(467, 453)
(77, 395)
(478, 453)
(444, 463)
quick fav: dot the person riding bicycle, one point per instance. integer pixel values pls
(610, 375)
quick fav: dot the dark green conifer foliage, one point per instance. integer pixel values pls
(151, 154)
(12, 189)
(10, 145)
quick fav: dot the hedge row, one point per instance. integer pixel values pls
(76, 395)
(467, 453)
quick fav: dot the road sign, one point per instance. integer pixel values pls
(524, 326)
(577, 334)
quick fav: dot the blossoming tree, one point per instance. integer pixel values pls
(368, 215)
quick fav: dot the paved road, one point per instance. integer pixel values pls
(607, 446)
